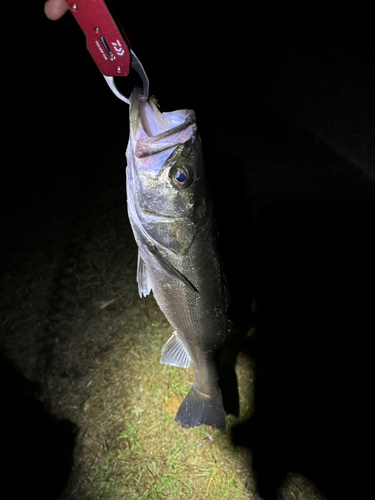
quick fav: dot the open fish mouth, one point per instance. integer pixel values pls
(153, 131)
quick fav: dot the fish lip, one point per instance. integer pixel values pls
(146, 146)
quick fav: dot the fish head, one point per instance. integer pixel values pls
(166, 186)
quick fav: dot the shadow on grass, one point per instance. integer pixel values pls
(312, 349)
(231, 202)
(36, 450)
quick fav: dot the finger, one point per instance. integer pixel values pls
(54, 9)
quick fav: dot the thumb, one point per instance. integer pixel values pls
(54, 9)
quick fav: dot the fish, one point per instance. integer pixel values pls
(171, 215)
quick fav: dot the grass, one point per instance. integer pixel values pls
(80, 330)
(144, 453)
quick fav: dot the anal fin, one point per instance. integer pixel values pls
(174, 353)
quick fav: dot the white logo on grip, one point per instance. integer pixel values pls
(118, 48)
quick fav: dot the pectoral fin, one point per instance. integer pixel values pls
(174, 353)
(144, 286)
(170, 270)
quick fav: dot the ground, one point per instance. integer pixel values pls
(87, 403)
(74, 325)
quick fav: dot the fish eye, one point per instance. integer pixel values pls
(181, 177)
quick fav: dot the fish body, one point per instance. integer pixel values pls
(172, 220)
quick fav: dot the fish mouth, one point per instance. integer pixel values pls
(154, 131)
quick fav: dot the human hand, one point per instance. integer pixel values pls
(54, 9)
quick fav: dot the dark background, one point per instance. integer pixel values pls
(221, 62)
(284, 103)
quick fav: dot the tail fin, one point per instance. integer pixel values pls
(196, 410)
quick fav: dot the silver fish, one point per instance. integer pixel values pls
(172, 220)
